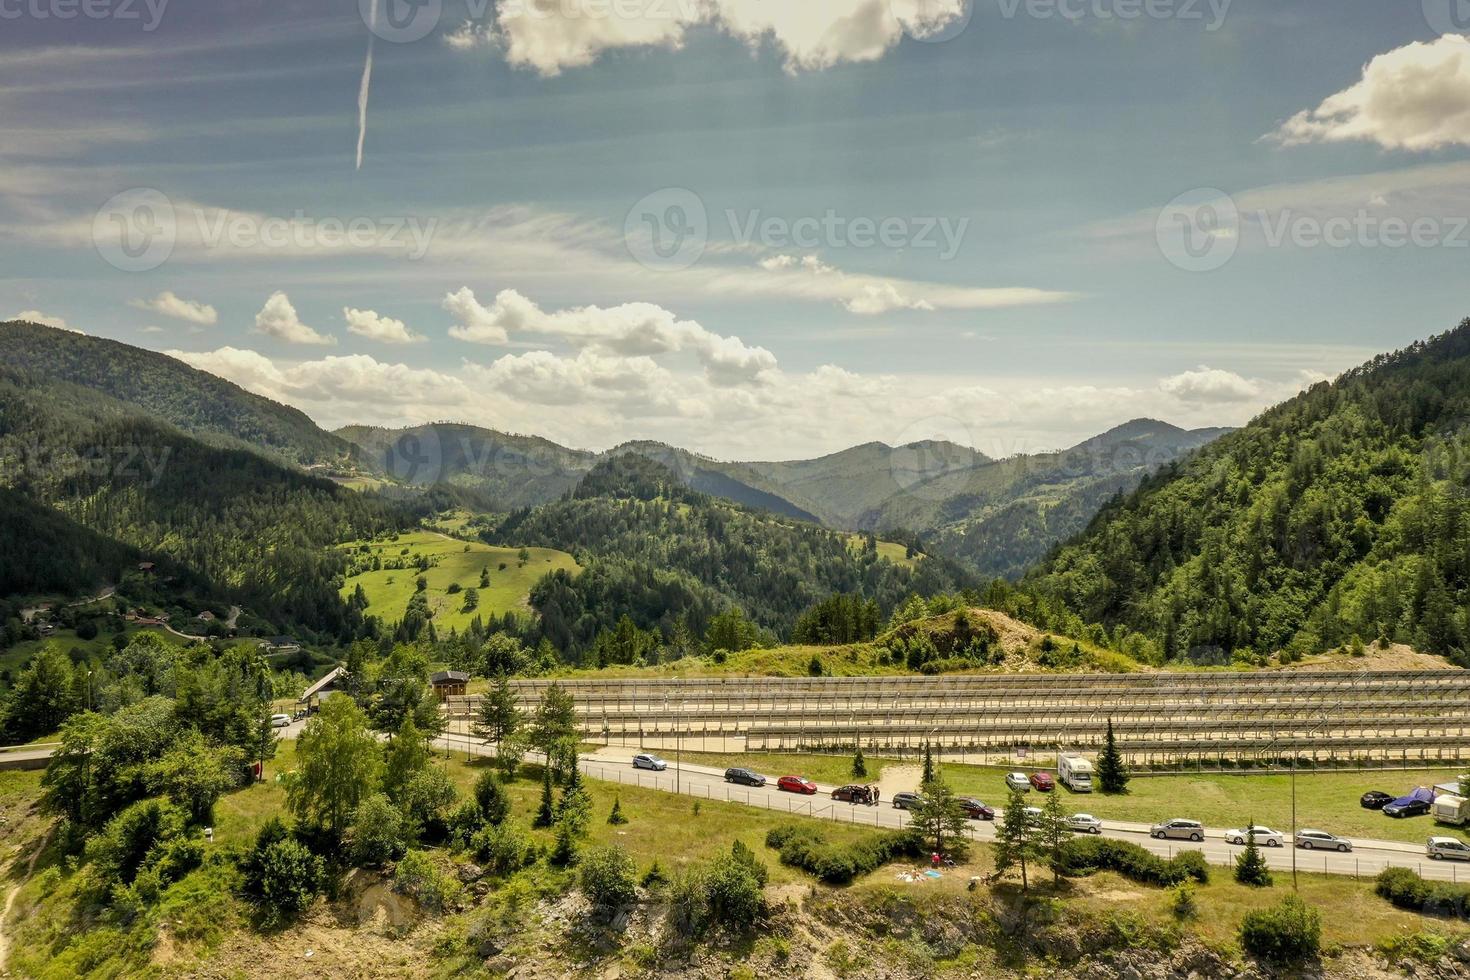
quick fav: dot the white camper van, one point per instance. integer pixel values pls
(1075, 773)
(1451, 809)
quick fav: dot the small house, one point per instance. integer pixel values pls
(322, 689)
(146, 566)
(206, 617)
(280, 645)
(449, 683)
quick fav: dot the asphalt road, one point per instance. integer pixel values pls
(1367, 858)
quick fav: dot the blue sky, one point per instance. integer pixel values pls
(1022, 164)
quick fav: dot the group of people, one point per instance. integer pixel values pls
(866, 795)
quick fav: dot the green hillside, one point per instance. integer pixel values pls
(210, 408)
(1340, 513)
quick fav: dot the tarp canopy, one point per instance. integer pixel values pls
(1423, 795)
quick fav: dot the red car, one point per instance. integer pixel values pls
(1043, 782)
(797, 784)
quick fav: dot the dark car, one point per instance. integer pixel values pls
(907, 801)
(851, 793)
(744, 777)
(1375, 799)
(1407, 806)
(974, 809)
(797, 784)
(1043, 782)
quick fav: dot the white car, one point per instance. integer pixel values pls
(1321, 840)
(280, 721)
(1084, 823)
(1265, 836)
(1447, 848)
(649, 762)
(1033, 815)
(1018, 780)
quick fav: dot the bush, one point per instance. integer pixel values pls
(377, 831)
(804, 846)
(504, 848)
(1290, 932)
(124, 845)
(1408, 891)
(281, 874)
(429, 800)
(727, 891)
(607, 878)
(1083, 856)
(418, 877)
(493, 803)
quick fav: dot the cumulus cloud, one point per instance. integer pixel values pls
(1416, 97)
(1210, 386)
(630, 330)
(374, 326)
(278, 319)
(45, 319)
(552, 37)
(169, 304)
(808, 277)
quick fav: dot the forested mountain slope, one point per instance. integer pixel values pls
(671, 558)
(208, 407)
(1341, 512)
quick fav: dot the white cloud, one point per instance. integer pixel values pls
(810, 36)
(278, 319)
(45, 319)
(167, 303)
(373, 326)
(1416, 97)
(1210, 386)
(630, 330)
(808, 277)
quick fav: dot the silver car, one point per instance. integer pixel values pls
(1084, 823)
(1447, 848)
(1321, 840)
(1178, 830)
(649, 762)
(1018, 780)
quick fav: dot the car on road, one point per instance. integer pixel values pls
(796, 784)
(1018, 780)
(1447, 848)
(974, 809)
(1084, 823)
(907, 801)
(646, 761)
(1321, 840)
(280, 721)
(1033, 815)
(1178, 829)
(1043, 782)
(1374, 799)
(744, 777)
(852, 793)
(1413, 805)
(1264, 836)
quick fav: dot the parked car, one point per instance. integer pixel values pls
(1084, 823)
(1043, 782)
(1178, 830)
(646, 761)
(280, 721)
(1375, 799)
(744, 777)
(1018, 780)
(974, 809)
(1416, 804)
(796, 784)
(1447, 848)
(1321, 840)
(1265, 836)
(906, 801)
(849, 794)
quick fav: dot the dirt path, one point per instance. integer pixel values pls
(13, 894)
(899, 779)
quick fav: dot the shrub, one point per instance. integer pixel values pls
(655, 876)
(281, 874)
(607, 878)
(1184, 904)
(1290, 932)
(429, 800)
(1084, 856)
(504, 848)
(418, 877)
(377, 831)
(1407, 890)
(493, 803)
(734, 890)
(804, 846)
(121, 850)
(616, 818)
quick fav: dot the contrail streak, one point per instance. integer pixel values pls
(367, 81)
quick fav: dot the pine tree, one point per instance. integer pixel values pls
(928, 776)
(1013, 838)
(616, 818)
(939, 819)
(1250, 866)
(1053, 833)
(1112, 775)
(547, 812)
(499, 718)
(859, 764)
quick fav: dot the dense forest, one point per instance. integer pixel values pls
(257, 533)
(671, 559)
(1339, 514)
